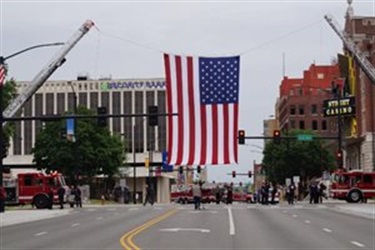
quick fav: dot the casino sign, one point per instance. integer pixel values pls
(346, 107)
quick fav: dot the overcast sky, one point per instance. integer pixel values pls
(132, 35)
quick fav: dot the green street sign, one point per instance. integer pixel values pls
(304, 137)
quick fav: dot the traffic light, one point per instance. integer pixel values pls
(339, 158)
(153, 116)
(276, 136)
(234, 174)
(241, 137)
(199, 169)
(180, 170)
(250, 174)
(102, 121)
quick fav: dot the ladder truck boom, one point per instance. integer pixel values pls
(46, 72)
(361, 59)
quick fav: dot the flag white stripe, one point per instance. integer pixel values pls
(209, 130)
(232, 136)
(185, 101)
(220, 130)
(174, 131)
(197, 111)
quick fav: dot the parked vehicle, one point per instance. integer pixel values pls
(32, 187)
(353, 186)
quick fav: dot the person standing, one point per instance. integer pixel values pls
(61, 193)
(149, 195)
(273, 193)
(77, 196)
(230, 194)
(50, 199)
(312, 192)
(197, 196)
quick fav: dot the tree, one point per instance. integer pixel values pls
(306, 159)
(94, 150)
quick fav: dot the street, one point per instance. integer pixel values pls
(239, 226)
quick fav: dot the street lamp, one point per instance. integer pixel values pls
(2, 80)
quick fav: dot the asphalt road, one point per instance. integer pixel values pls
(240, 226)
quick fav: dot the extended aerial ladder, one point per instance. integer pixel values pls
(361, 59)
(59, 58)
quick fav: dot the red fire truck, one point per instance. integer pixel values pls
(352, 186)
(32, 187)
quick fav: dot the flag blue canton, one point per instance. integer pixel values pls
(219, 80)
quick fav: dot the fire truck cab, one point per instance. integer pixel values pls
(353, 186)
(32, 188)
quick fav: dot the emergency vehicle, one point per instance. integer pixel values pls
(33, 187)
(352, 186)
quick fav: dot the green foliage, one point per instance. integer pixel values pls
(94, 151)
(9, 92)
(290, 158)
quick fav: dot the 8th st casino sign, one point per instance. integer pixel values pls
(346, 107)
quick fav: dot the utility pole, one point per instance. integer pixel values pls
(2, 154)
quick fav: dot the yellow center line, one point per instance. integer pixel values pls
(127, 239)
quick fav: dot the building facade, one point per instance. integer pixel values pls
(121, 96)
(360, 143)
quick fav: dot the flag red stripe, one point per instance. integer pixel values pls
(180, 110)
(203, 135)
(226, 133)
(235, 131)
(191, 109)
(215, 134)
(168, 83)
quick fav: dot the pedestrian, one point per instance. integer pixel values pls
(217, 193)
(265, 193)
(77, 196)
(50, 199)
(273, 193)
(312, 191)
(149, 195)
(61, 193)
(230, 194)
(321, 192)
(291, 193)
(126, 194)
(197, 196)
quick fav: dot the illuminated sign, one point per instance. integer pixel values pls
(334, 108)
(132, 85)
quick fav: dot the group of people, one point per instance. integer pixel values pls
(75, 191)
(267, 193)
(317, 192)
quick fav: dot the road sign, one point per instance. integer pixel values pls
(304, 137)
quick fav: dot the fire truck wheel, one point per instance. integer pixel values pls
(41, 201)
(354, 196)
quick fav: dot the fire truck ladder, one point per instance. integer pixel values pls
(46, 72)
(365, 65)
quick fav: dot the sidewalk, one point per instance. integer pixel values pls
(359, 209)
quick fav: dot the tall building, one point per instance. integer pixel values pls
(120, 96)
(300, 104)
(360, 142)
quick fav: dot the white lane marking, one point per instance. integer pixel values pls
(231, 222)
(41, 233)
(75, 225)
(357, 244)
(133, 209)
(111, 209)
(202, 230)
(327, 230)
(294, 216)
(307, 221)
(198, 212)
(99, 218)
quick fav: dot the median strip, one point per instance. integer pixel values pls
(127, 239)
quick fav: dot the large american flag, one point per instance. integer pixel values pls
(204, 92)
(2, 74)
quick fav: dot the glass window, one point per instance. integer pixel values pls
(301, 110)
(28, 180)
(302, 124)
(324, 125)
(292, 110)
(315, 125)
(314, 109)
(293, 124)
(367, 179)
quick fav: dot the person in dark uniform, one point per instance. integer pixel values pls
(61, 193)
(50, 199)
(149, 195)
(77, 196)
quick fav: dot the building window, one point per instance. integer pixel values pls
(301, 110)
(291, 92)
(301, 124)
(314, 109)
(300, 92)
(315, 125)
(292, 124)
(324, 125)
(292, 110)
